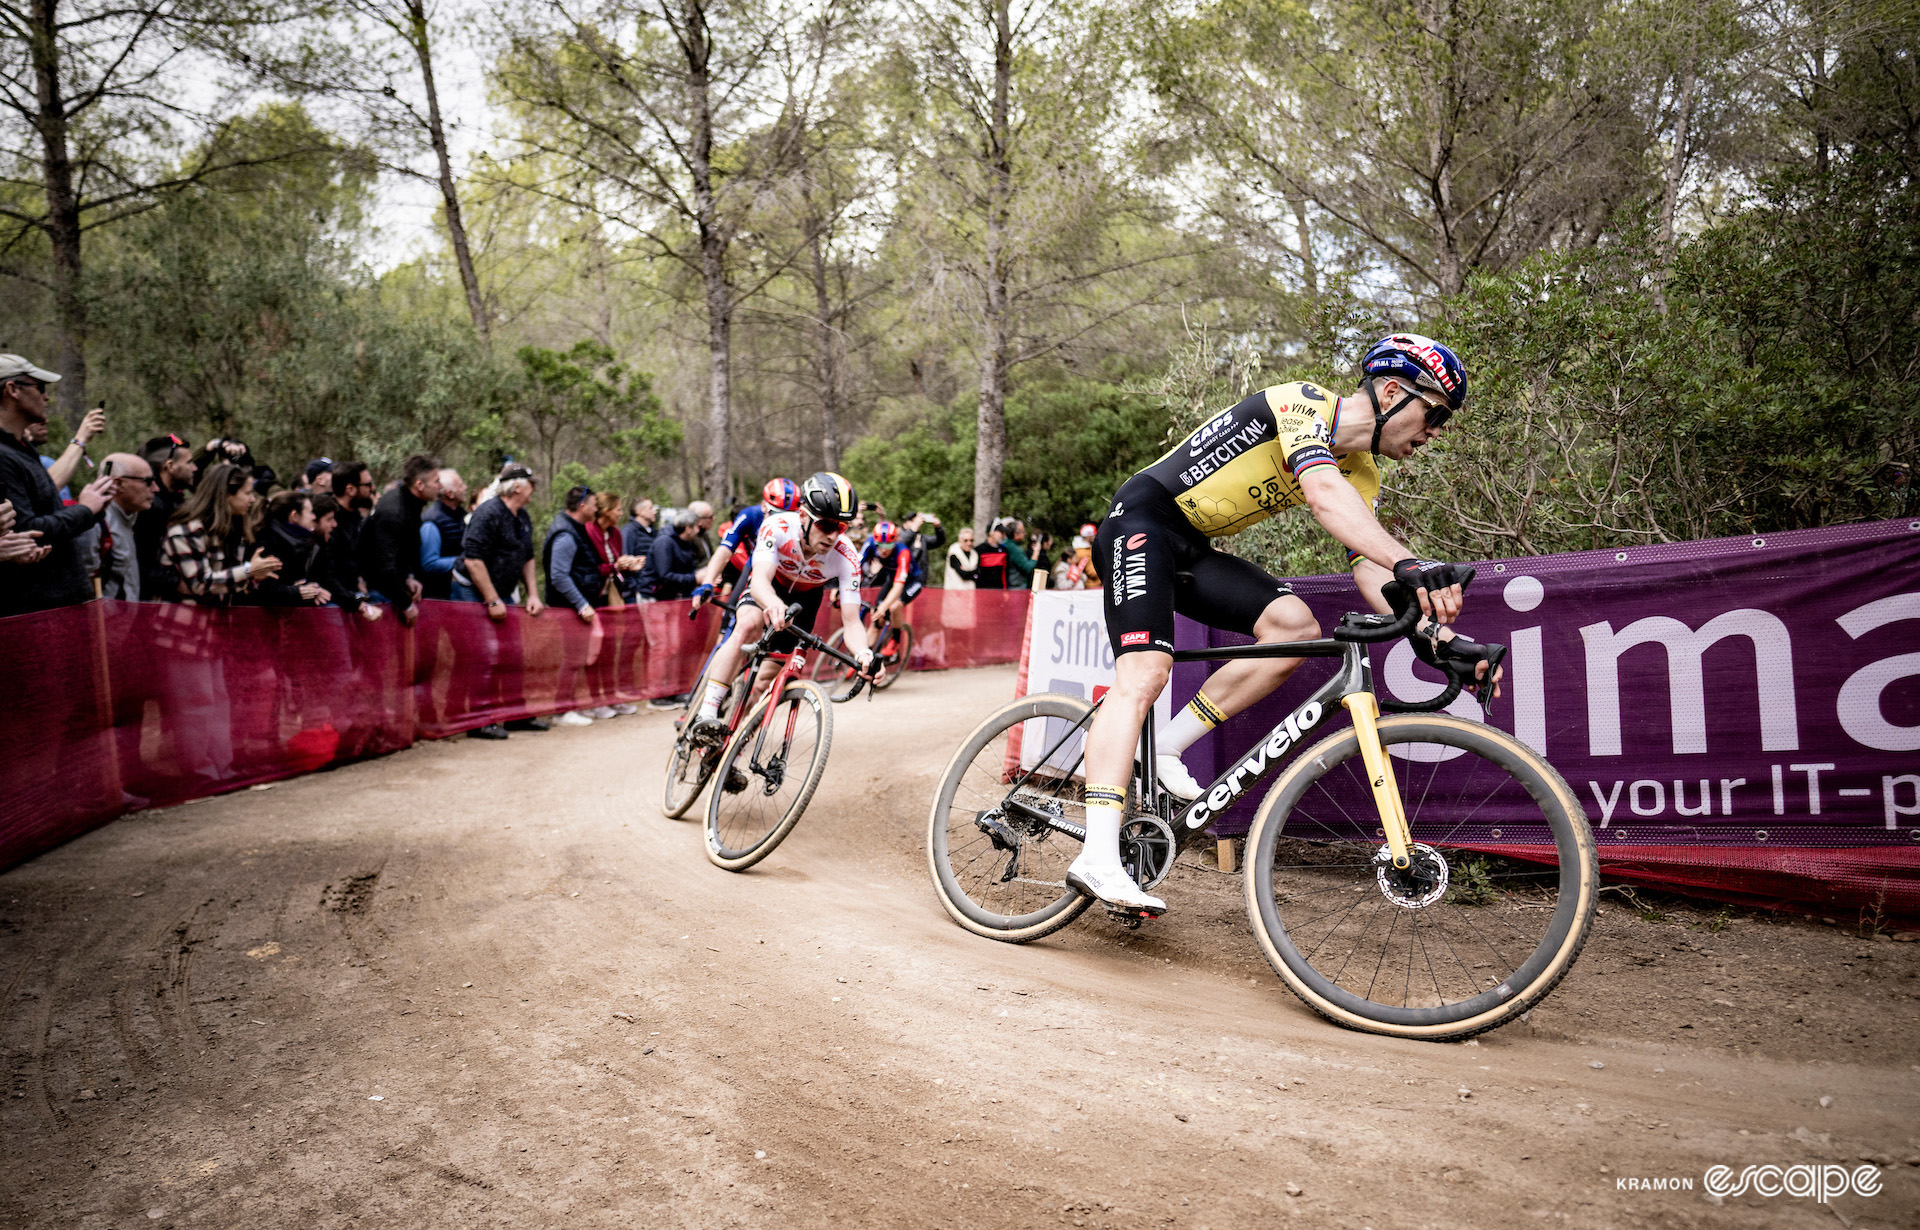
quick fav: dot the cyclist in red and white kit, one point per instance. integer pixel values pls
(797, 557)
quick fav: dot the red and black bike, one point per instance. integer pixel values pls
(774, 753)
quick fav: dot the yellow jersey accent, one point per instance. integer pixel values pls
(1244, 464)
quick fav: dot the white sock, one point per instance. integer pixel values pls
(1104, 819)
(710, 703)
(1200, 716)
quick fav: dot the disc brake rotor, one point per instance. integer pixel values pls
(1421, 884)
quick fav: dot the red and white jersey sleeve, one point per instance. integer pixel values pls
(781, 549)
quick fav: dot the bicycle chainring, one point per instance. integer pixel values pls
(1423, 883)
(1147, 849)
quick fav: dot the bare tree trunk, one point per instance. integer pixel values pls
(1452, 271)
(826, 349)
(1309, 270)
(63, 211)
(418, 35)
(1670, 193)
(720, 371)
(698, 48)
(990, 446)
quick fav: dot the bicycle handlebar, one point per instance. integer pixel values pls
(815, 643)
(1372, 629)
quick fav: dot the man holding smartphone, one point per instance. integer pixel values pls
(57, 579)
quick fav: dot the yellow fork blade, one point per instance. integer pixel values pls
(1386, 792)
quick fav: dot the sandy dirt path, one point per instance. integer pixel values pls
(485, 984)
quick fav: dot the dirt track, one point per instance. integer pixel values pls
(486, 984)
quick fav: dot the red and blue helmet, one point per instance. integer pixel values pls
(886, 534)
(780, 494)
(1420, 362)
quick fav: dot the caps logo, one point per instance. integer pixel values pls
(1133, 638)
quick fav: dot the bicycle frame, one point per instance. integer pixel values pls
(1351, 688)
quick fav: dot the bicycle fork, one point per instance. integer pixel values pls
(1365, 711)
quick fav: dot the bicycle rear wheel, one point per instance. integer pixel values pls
(1002, 874)
(768, 774)
(688, 770)
(899, 648)
(1464, 940)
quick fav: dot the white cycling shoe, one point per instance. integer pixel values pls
(1111, 884)
(1174, 776)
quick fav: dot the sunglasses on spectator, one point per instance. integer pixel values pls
(40, 385)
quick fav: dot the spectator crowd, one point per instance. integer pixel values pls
(215, 527)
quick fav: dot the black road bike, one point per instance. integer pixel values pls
(1368, 884)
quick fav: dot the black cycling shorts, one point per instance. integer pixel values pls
(785, 641)
(1156, 564)
(911, 589)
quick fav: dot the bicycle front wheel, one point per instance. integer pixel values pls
(1462, 941)
(1000, 872)
(768, 774)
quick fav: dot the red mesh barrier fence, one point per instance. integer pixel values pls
(116, 706)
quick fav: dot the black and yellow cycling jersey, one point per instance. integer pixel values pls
(1243, 465)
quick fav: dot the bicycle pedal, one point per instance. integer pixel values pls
(1129, 916)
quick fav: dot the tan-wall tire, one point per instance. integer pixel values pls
(822, 708)
(1550, 791)
(953, 898)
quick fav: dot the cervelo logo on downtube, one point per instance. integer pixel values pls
(1240, 778)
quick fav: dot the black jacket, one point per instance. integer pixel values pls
(671, 566)
(57, 580)
(637, 539)
(390, 546)
(502, 540)
(149, 531)
(302, 557)
(585, 572)
(343, 549)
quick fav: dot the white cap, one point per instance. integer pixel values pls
(12, 366)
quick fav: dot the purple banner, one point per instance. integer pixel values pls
(1750, 692)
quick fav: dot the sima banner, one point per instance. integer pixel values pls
(1723, 709)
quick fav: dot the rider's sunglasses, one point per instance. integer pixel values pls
(1437, 416)
(829, 525)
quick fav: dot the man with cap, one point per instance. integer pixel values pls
(497, 552)
(318, 478)
(58, 579)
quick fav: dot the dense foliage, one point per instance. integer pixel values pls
(992, 258)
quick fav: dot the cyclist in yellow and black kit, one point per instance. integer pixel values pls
(1292, 444)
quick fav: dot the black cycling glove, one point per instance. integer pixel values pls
(1429, 574)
